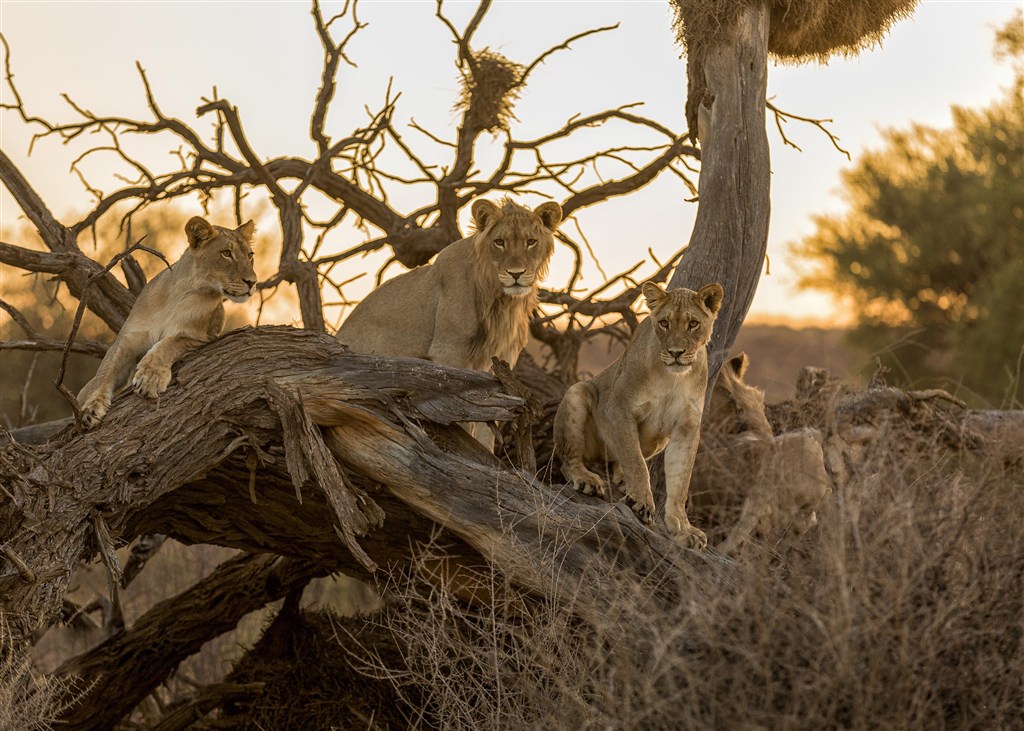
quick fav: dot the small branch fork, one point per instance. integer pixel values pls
(573, 320)
(781, 118)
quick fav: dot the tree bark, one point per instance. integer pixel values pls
(727, 90)
(232, 454)
(119, 673)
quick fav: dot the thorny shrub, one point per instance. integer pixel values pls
(28, 701)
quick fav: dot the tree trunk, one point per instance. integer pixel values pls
(726, 105)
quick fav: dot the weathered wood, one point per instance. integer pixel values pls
(209, 698)
(240, 396)
(728, 85)
(37, 434)
(232, 454)
(522, 427)
(115, 676)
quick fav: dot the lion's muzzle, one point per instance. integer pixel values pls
(240, 291)
(678, 360)
(516, 283)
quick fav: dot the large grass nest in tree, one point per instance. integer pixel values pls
(490, 88)
(801, 30)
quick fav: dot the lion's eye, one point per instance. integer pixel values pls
(694, 324)
(251, 256)
(226, 253)
(530, 243)
(500, 243)
(663, 324)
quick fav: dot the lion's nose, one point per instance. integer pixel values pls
(516, 275)
(676, 354)
(249, 282)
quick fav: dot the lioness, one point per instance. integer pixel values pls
(779, 480)
(473, 302)
(650, 399)
(179, 310)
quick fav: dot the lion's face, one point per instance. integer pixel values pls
(517, 241)
(682, 321)
(224, 257)
(737, 407)
(801, 482)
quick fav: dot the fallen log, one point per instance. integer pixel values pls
(233, 454)
(109, 680)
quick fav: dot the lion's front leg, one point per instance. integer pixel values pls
(572, 421)
(679, 458)
(623, 441)
(96, 395)
(154, 371)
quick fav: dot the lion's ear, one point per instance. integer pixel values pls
(198, 231)
(738, 364)
(653, 293)
(550, 214)
(484, 213)
(246, 230)
(711, 297)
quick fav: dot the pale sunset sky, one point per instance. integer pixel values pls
(266, 59)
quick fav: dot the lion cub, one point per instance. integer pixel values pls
(178, 311)
(650, 399)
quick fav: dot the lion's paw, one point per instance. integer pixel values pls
(690, 537)
(643, 509)
(93, 411)
(589, 485)
(151, 380)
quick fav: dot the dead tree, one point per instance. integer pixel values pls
(346, 169)
(304, 451)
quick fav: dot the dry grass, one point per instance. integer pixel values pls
(903, 609)
(28, 701)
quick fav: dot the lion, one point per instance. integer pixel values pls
(649, 400)
(473, 302)
(776, 481)
(178, 311)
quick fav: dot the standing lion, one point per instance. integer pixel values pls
(649, 400)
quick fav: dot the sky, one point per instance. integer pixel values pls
(266, 59)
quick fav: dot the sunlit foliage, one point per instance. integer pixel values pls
(930, 254)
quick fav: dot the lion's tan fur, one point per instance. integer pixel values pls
(649, 400)
(179, 310)
(504, 321)
(460, 309)
(777, 482)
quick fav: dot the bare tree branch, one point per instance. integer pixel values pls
(333, 54)
(781, 117)
(563, 46)
(350, 170)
